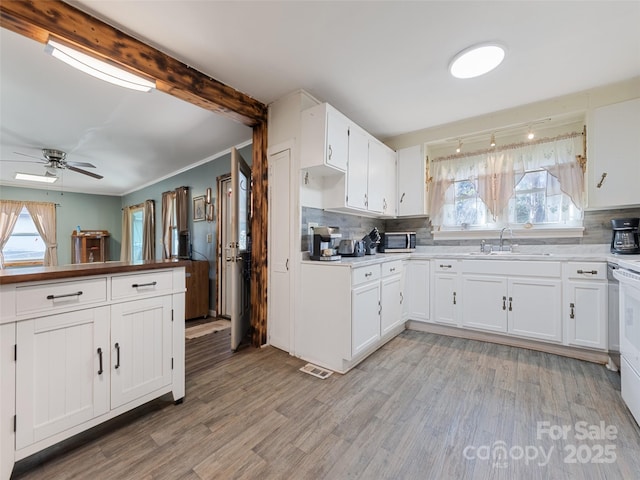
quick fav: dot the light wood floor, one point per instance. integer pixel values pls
(410, 411)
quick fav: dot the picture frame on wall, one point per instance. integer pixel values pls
(199, 208)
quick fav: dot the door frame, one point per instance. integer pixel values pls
(220, 180)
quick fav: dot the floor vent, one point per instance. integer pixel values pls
(316, 371)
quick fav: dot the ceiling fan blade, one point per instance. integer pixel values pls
(23, 161)
(81, 164)
(31, 156)
(84, 172)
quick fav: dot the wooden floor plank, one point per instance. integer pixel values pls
(410, 411)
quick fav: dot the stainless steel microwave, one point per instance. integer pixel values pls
(397, 242)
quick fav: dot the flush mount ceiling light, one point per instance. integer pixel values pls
(47, 178)
(97, 68)
(477, 60)
(530, 134)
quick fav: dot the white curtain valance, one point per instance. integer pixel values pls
(497, 173)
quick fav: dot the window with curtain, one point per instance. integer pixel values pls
(27, 233)
(534, 185)
(138, 232)
(175, 220)
(25, 245)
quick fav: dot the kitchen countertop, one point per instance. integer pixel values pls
(571, 253)
(33, 274)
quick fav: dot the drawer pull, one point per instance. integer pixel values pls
(445, 266)
(571, 313)
(590, 272)
(117, 345)
(392, 269)
(53, 297)
(368, 274)
(138, 285)
(604, 175)
(100, 358)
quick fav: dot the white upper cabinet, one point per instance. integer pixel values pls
(358, 171)
(613, 159)
(412, 192)
(324, 139)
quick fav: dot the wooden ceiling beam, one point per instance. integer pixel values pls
(41, 19)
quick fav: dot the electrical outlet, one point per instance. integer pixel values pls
(310, 228)
(209, 238)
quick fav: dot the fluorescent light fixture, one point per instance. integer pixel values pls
(477, 60)
(48, 178)
(97, 68)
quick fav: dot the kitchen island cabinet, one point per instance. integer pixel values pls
(81, 345)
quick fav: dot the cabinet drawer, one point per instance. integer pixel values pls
(58, 295)
(391, 268)
(143, 284)
(365, 274)
(585, 270)
(445, 265)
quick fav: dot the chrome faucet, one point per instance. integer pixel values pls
(502, 239)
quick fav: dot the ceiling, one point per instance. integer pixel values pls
(383, 64)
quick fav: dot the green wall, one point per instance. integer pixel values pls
(91, 212)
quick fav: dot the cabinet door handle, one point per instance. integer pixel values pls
(604, 175)
(379, 307)
(504, 303)
(64, 295)
(401, 298)
(402, 197)
(510, 300)
(384, 204)
(100, 360)
(138, 285)
(330, 152)
(454, 298)
(287, 265)
(366, 201)
(445, 266)
(117, 355)
(589, 272)
(572, 306)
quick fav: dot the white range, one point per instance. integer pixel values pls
(628, 274)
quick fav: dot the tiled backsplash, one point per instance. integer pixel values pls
(597, 227)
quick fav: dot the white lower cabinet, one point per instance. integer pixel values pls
(445, 291)
(485, 302)
(346, 311)
(365, 316)
(141, 347)
(534, 308)
(585, 304)
(416, 291)
(391, 297)
(62, 376)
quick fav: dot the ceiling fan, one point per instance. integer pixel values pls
(56, 160)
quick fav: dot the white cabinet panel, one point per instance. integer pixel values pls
(59, 382)
(411, 172)
(416, 291)
(375, 177)
(324, 140)
(358, 169)
(535, 309)
(60, 296)
(365, 317)
(485, 302)
(613, 168)
(141, 337)
(446, 298)
(585, 313)
(391, 300)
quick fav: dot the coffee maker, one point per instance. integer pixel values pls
(625, 236)
(325, 243)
